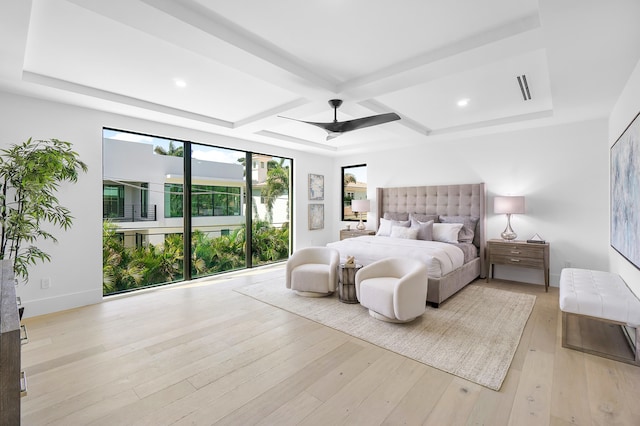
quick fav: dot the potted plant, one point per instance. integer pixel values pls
(30, 174)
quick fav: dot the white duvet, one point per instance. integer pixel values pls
(440, 258)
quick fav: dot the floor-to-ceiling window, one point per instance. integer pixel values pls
(270, 192)
(153, 235)
(218, 186)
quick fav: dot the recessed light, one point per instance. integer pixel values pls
(463, 102)
(179, 82)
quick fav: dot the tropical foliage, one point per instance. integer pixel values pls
(128, 268)
(277, 185)
(30, 175)
(174, 150)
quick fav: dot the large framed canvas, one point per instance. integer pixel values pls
(316, 187)
(316, 216)
(625, 193)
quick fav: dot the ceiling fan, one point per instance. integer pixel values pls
(336, 128)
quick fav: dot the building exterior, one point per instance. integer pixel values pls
(146, 202)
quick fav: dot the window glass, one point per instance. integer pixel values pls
(354, 187)
(144, 194)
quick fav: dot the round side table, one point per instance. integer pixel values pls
(347, 283)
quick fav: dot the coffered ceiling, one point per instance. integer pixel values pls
(245, 63)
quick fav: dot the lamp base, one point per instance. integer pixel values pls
(509, 236)
(508, 233)
(361, 226)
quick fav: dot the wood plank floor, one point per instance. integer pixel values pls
(203, 354)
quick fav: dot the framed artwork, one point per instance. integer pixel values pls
(316, 187)
(316, 216)
(625, 193)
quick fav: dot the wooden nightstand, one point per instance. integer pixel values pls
(519, 253)
(350, 233)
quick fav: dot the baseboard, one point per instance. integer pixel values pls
(63, 302)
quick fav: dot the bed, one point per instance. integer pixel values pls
(451, 265)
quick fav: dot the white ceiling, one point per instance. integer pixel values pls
(246, 62)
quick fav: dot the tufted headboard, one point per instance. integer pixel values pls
(445, 200)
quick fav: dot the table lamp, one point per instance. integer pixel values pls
(508, 205)
(360, 206)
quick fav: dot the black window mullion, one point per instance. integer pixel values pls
(249, 208)
(186, 208)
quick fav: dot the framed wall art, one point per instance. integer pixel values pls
(316, 216)
(316, 187)
(625, 193)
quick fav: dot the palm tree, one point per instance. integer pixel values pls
(349, 178)
(175, 151)
(277, 185)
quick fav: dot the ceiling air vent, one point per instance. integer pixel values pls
(524, 87)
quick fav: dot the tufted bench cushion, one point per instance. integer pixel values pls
(600, 295)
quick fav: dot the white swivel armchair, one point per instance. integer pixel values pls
(393, 289)
(313, 271)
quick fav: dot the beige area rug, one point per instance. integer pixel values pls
(473, 335)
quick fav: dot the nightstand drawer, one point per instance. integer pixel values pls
(517, 250)
(529, 262)
(352, 233)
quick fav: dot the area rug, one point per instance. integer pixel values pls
(473, 335)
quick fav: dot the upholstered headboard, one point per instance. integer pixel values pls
(445, 200)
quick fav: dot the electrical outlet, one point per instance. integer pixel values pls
(45, 283)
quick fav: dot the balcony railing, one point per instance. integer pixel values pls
(134, 213)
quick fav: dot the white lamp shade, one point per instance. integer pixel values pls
(508, 205)
(358, 206)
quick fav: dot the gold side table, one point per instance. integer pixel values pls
(347, 283)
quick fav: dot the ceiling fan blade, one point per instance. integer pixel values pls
(336, 128)
(361, 123)
(323, 126)
(349, 125)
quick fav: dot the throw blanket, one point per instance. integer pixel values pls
(440, 258)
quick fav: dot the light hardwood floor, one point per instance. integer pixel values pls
(205, 354)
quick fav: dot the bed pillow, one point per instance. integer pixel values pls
(425, 229)
(422, 217)
(404, 232)
(385, 226)
(396, 216)
(468, 230)
(446, 232)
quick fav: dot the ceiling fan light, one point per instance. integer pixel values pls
(463, 102)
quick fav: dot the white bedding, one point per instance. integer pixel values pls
(440, 258)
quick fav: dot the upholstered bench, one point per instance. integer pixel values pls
(603, 296)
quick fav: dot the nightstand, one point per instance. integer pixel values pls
(519, 253)
(351, 233)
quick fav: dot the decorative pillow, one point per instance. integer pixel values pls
(468, 230)
(404, 232)
(385, 226)
(396, 216)
(425, 229)
(421, 217)
(446, 232)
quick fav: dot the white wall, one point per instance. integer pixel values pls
(76, 266)
(627, 107)
(562, 171)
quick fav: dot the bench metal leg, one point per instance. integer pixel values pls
(634, 359)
